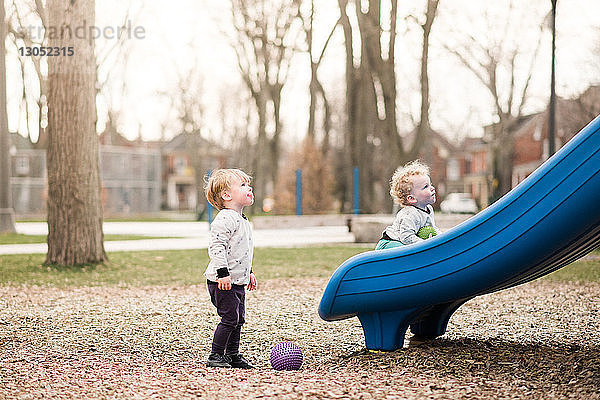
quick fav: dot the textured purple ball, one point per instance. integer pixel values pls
(286, 356)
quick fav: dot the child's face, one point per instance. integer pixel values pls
(423, 192)
(239, 195)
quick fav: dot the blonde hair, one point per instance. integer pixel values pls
(219, 181)
(401, 184)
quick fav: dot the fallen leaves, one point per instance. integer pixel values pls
(540, 340)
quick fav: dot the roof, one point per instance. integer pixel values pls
(434, 136)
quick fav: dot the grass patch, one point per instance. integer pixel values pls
(186, 267)
(173, 268)
(19, 238)
(579, 271)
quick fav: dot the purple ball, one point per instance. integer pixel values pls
(286, 356)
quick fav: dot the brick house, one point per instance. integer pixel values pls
(531, 145)
(472, 170)
(440, 155)
(531, 135)
(437, 152)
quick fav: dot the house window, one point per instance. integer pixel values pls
(180, 165)
(22, 166)
(468, 165)
(453, 169)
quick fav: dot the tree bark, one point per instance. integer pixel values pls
(75, 234)
(261, 32)
(7, 217)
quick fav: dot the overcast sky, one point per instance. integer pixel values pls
(181, 34)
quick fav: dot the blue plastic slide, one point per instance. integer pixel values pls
(548, 221)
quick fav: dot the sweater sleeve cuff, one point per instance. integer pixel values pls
(222, 272)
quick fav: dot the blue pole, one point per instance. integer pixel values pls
(298, 192)
(356, 189)
(208, 205)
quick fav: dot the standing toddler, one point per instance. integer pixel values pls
(229, 271)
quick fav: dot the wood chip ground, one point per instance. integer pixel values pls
(537, 341)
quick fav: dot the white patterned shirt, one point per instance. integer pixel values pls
(230, 246)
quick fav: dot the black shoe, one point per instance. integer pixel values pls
(218, 360)
(238, 361)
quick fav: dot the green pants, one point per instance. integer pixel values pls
(387, 244)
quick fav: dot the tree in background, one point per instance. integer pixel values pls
(7, 217)
(505, 69)
(373, 142)
(316, 90)
(265, 36)
(74, 208)
(423, 128)
(317, 181)
(34, 97)
(28, 27)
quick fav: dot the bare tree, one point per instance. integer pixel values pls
(235, 120)
(264, 44)
(488, 61)
(74, 208)
(22, 14)
(28, 27)
(317, 181)
(423, 127)
(316, 90)
(372, 137)
(362, 125)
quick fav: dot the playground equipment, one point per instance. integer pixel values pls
(548, 221)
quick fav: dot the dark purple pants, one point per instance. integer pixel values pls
(231, 307)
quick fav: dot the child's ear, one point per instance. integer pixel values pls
(411, 199)
(225, 195)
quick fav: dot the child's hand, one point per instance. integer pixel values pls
(224, 283)
(253, 285)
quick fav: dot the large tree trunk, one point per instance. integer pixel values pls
(7, 217)
(349, 121)
(74, 208)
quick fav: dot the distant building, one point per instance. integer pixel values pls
(130, 180)
(440, 155)
(531, 135)
(28, 179)
(129, 172)
(182, 189)
(473, 158)
(437, 153)
(472, 170)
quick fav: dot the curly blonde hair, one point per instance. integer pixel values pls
(219, 181)
(401, 185)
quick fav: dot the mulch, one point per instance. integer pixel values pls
(536, 341)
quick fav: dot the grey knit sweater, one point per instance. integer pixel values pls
(407, 223)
